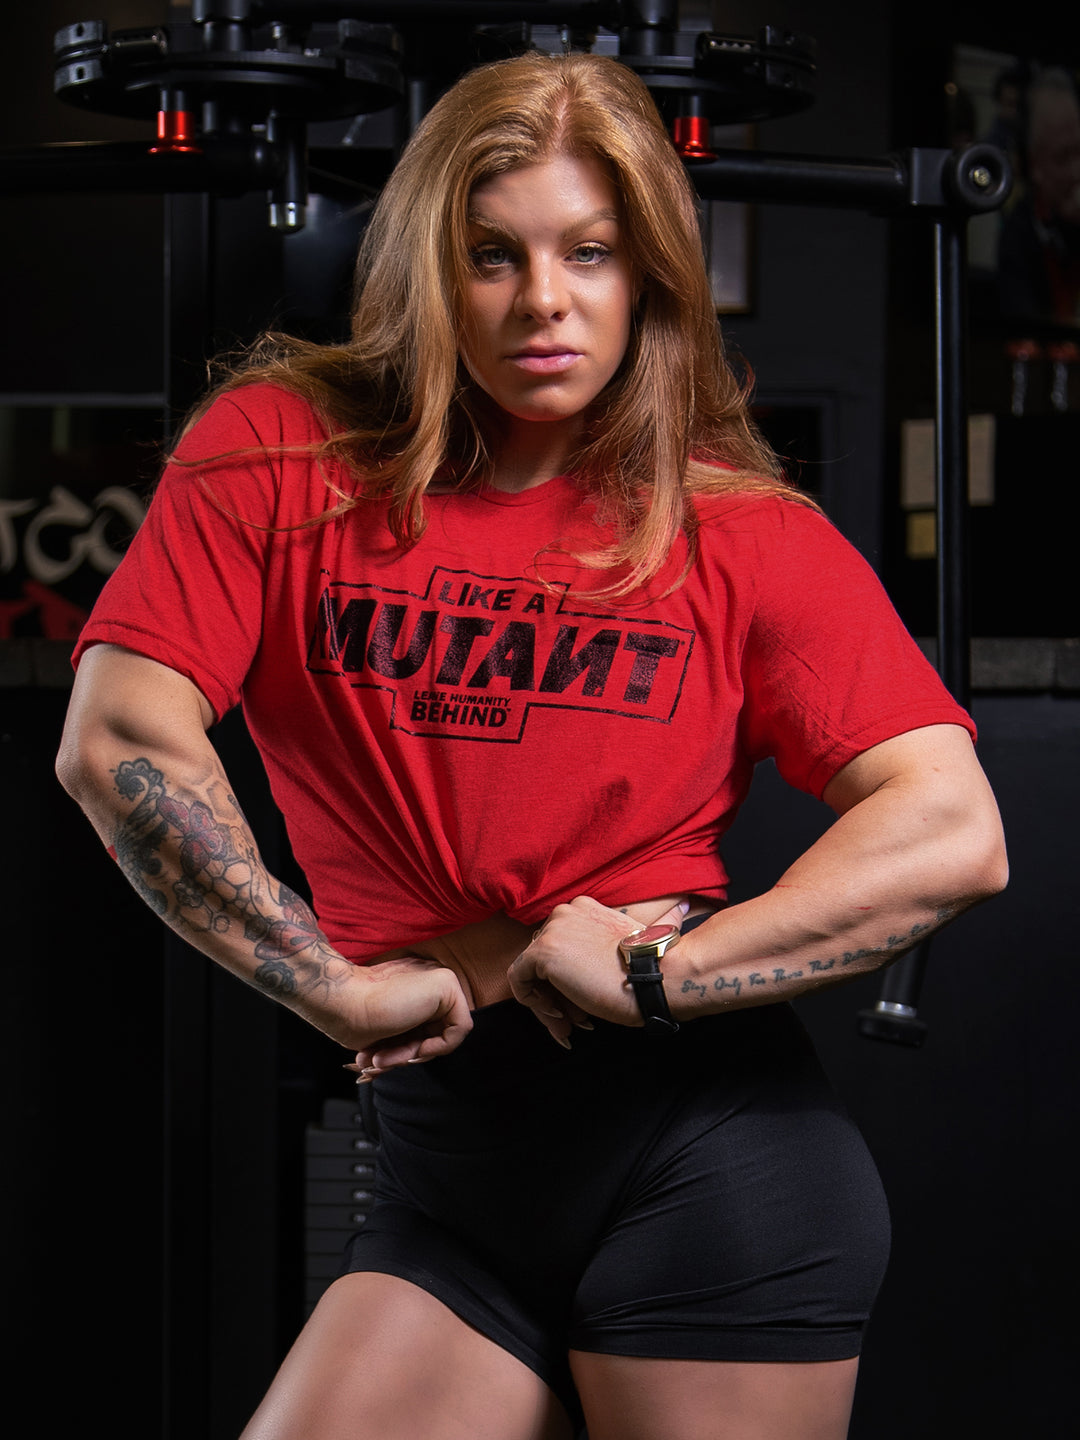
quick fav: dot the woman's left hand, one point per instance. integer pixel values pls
(572, 970)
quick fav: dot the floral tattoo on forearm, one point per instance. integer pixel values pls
(221, 882)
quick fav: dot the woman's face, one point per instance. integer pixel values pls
(549, 296)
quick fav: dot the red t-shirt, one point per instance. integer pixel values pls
(448, 739)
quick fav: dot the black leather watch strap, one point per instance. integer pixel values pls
(641, 953)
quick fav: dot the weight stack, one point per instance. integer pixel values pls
(339, 1176)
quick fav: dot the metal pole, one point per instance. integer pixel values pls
(895, 1017)
(951, 457)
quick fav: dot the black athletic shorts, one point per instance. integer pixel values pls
(702, 1195)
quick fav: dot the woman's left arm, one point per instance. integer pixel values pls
(916, 841)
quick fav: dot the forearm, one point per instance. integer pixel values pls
(778, 946)
(136, 756)
(917, 840)
(882, 879)
(168, 814)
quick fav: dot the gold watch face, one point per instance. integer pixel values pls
(653, 940)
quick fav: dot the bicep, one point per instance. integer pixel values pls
(924, 794)
(935, 759)
(123, 697)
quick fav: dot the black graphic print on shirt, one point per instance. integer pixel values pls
(472, 655)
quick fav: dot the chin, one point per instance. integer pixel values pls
(539, 415)
(548, 407)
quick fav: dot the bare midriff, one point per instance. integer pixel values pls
(480, 954)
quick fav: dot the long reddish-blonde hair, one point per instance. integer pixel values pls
(400, 407)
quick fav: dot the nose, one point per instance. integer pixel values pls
(542, 294)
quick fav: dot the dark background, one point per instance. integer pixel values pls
(160, 1116)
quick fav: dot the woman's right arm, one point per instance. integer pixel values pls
(136, 757)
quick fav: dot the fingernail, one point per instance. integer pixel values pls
(684, 906)
(552, 1014)
(356, 1069)
(564, 1041)
(584, 1025)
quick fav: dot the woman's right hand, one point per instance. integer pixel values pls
(413, 1010)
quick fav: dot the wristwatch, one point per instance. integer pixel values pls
(642, 951)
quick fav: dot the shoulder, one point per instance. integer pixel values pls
(788, 559)
(252, 455)
(258, 415)
(763, 521)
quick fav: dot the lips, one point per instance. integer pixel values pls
(544, 359)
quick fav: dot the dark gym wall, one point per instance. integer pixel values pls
(816, 334)
(157, 1111)
(86, 313)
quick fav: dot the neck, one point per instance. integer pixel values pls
(526, 453)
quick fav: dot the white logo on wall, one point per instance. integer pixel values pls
(67, 532)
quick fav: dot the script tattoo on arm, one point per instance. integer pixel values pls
(814, 973)
(198, 867)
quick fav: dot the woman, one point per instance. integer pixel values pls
(515, 597)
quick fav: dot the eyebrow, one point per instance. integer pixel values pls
(473, 217)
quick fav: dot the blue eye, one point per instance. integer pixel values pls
(591, 253)
(490, 257)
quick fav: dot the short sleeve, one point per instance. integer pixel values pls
(189, 593)
(829, 668)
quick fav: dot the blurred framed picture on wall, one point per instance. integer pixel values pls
(1029, 109)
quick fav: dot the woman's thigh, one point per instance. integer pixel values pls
(629, 1398)
(380, 1357)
